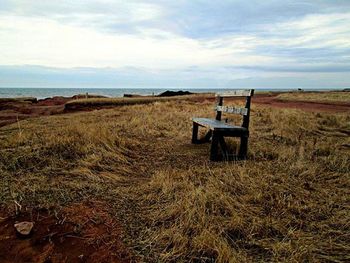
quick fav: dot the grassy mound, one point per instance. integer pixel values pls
(288, 202)
(113, 102)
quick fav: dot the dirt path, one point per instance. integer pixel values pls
(302, 105)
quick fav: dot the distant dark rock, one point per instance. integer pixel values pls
(170, 93)
(132, 95)
(346, 90)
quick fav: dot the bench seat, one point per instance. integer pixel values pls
(213, 124)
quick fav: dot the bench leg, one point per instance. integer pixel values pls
(243, 149)
(195, 139)
(223, 147)
(208, 136)
(195, 133)
(214, 147)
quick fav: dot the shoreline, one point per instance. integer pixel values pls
(44, 93)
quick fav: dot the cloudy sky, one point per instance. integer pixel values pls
(204, 44)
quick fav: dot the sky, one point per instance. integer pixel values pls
(175, 44)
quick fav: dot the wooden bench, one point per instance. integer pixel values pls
(219, 129)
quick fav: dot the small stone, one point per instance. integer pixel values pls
(24, 228)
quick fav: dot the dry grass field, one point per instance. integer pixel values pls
(288, 203)
(340, 97)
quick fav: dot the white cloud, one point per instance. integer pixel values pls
(80, 34)
(313, 31)
(41, 41)
(135, 9)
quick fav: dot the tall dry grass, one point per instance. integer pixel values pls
(113, 102)
(288, 202)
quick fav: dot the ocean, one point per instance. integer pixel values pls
(42, 93)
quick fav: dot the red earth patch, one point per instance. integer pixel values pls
(78, 233)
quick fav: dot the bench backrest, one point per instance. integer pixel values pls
(245, 112)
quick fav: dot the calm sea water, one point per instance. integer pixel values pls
(42, 93)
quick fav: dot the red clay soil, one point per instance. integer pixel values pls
(302, 105)
(13, 110)
(78, 233)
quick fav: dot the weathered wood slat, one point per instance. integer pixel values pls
(236, 93)
(215, 124)
(230, 109)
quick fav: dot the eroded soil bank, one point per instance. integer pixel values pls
(13, 110)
